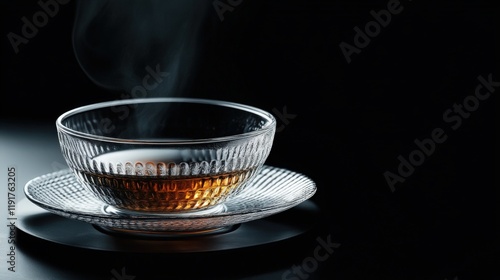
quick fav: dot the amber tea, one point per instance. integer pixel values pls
(168, 155)
(148, 180)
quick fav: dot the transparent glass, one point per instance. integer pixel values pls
(165, 155)
(273, 190)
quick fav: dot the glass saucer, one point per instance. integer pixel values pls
(273, 190)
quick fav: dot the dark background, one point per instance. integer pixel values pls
(348, 122)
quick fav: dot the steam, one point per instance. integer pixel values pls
(146, 47)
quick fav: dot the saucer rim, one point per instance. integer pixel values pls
(99, 214)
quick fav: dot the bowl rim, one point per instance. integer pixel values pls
(270, 121)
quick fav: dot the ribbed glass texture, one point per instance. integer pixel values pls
(165, 154)
(271, 191)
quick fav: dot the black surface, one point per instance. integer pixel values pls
(294, 223)
(210, 257)
(342, 124)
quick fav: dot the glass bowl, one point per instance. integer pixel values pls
(165, 155)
